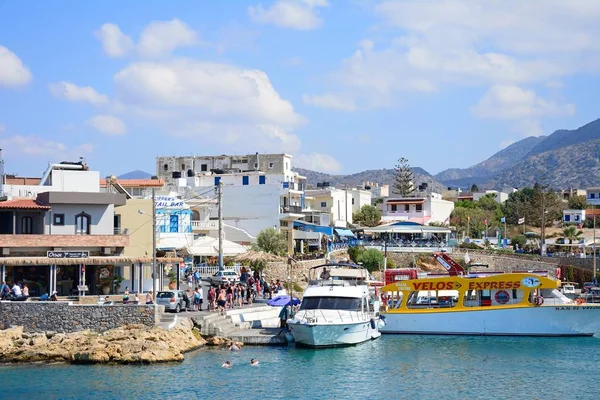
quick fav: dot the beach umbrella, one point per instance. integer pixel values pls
(253, 256)
(281, 301)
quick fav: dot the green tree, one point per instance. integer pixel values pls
(518, 240)
(571, 233)
(529, 203)
(372, 259)
(577, 203)
(367, 216)
(403, 183)
(271, 241)
(474, 188)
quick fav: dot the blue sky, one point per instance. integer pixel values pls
(342, 85)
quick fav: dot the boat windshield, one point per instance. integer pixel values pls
(330, 303)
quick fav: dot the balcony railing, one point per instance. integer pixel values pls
(291, 210)
(204, 225)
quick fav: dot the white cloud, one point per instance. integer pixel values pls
(294, 14)
(440, 43)
(13, 72)
(214, 103)
(317, 162)
(71, 92)
(115, 43)
(160, 38)
(107, 124)
(33, 145)
(511, 102)
(330, 100)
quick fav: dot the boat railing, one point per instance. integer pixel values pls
(315, 316)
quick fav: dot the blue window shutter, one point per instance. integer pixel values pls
(245, 180)
(217, 180)
(262, 180)
(286, 185)
(174, 223)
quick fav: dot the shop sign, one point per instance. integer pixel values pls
(168, 202)
(68, 254)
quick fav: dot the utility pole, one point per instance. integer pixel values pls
(543, 230)
(154, 274)
(221, 227)
(594, 244)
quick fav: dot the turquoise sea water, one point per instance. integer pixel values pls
(392, 367)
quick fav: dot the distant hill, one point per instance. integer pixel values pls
(574, 166)
(478, 173)
(563, 138)
(137, 174)
(381, 176)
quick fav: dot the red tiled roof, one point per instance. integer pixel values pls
(23, 204)
(21, 180)
(136, 182)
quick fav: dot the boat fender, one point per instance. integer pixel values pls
(580, 301)
(372, 323)
(382, 317)
(380, 324)
(539, 300)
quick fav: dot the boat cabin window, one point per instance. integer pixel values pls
(433, 299)
(488, 298)
(331, 303)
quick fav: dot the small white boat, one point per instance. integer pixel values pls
(338, 308)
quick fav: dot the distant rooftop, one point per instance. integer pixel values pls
(129, 183)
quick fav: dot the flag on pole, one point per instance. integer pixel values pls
(521, 221)
(468, 217)
(485, 221)
(467, 258)
(503, 220)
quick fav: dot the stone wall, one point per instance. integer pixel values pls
(63, 317)
(495, 262)
(279, 270)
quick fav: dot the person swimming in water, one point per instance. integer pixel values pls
(226, 364)
(234, 347)
(254, 362)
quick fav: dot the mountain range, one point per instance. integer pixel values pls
(564, 159)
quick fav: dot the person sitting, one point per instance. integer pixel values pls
(4, 290)
(126, 295)
(25, 291)
(16, 289)
(149, 298)
(54, 296)
(325, 274)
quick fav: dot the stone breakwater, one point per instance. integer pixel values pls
(63, 317)
(131, 344)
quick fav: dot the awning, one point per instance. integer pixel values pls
(94, 260)
(307, 226)
(209, 246)
(344, 232)
(406, 201)
(172, 243)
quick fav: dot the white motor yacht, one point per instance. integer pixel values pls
(338, 308)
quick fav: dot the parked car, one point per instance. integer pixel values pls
(226, 276)
(173, 300)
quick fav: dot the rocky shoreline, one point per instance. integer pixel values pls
(130, 344)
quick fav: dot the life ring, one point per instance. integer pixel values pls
(580, 301)
(539, 300)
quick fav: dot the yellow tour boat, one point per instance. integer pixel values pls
(512, 304)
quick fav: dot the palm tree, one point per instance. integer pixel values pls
(572, 233)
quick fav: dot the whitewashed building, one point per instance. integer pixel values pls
(573, 216)
(422, 209)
